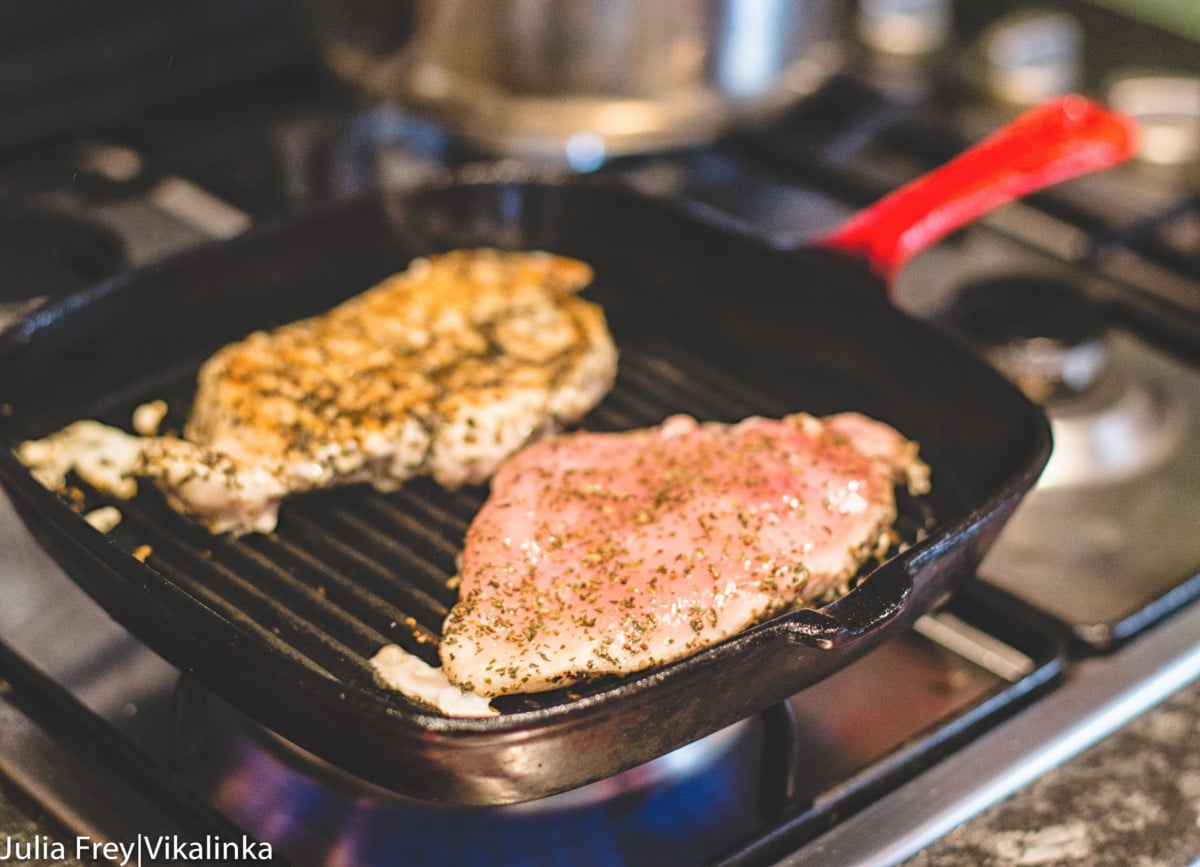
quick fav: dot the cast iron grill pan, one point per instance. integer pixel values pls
(708, 323)
(350, 570)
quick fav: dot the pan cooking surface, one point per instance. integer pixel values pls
(350, 570)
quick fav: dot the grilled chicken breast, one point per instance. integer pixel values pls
(445, 369)
(611, 553)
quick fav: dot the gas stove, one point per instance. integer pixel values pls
(1088, 296)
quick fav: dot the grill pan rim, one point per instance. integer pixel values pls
(71, 527)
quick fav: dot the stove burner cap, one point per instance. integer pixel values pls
(1039, 330)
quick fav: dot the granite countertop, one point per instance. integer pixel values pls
(1132, 800)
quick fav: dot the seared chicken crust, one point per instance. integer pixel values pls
(444, 370)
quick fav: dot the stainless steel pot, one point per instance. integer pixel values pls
(585, 79)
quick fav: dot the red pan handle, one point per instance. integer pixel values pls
(1053, 142)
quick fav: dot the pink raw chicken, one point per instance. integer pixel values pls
(608, 553)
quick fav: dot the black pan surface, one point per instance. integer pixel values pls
(708, 322)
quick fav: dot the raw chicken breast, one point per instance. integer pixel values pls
(608, 553)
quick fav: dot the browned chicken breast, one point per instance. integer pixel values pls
(444, 369)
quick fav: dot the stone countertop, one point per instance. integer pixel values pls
(1132, 800)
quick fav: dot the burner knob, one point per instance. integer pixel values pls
(1039, 331)
(904, 27)
(1167, 108)
(1031, 56)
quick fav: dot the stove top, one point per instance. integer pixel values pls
(1088, 296)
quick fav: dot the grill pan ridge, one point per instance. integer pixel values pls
(283, 626)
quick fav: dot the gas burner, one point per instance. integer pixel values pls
(1121, 429)
(675, 809)
(1038, 330)
(1042, 333)
(1111, 515)
(1168, 109)
(1032, 55)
